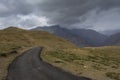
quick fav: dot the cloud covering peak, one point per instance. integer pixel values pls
(93, 14)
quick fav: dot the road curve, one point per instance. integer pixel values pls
(30, 66)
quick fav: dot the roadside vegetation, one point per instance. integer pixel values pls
(93, 62)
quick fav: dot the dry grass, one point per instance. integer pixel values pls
(90, 62)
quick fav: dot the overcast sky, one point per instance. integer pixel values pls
(92, 14)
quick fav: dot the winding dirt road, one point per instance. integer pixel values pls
(30, 66)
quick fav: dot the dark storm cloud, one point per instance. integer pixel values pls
(68, 12)
(14, 7)
(64, 12)
(108, 4)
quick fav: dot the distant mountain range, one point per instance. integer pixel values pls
(64, 33)
(80, 37)
(111, 32)
(113, 39)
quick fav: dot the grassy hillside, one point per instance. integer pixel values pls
(13, 41)
(102, 63)
(14, 38)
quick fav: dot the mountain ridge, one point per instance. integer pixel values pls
(80, 37)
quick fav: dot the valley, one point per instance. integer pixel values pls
(97, 63)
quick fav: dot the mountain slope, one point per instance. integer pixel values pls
(14, 37)
(80, 37)
(113, 39)
(64, 33)
(92, 37)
